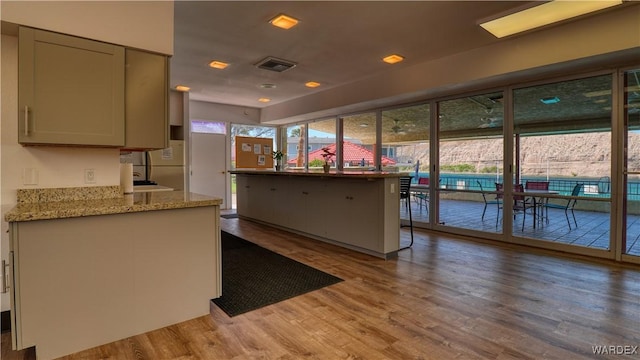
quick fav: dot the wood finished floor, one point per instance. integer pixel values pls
(445, 298)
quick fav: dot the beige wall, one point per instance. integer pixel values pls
(140, 24)
(201, 110)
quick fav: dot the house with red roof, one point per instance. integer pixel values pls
(353, 155)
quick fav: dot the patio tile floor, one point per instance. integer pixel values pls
(593, 227)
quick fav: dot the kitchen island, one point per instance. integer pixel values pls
(356, 210)
(91, 266)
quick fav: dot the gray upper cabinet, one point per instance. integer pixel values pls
(71, 90)
(147, 100)
(176, 108)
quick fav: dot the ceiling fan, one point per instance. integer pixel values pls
(396, 127)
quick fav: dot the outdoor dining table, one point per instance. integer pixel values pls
(535, 195)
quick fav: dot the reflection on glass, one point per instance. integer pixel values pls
(471, 157)
(208, 127)
(405, 148)
(322, 135)
(296, 140)
(359, 142)
(631, 241)
(562, 138)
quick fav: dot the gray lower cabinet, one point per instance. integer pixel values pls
(70, 91)
(355, 204)
(82, 282)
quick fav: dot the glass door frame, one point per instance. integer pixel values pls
(616, 122)
(620, 177)
(435, 223)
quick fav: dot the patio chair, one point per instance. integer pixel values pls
(488, 202)
(405, 194)
(520, 204)
(536, 185)
(570, 205)
(422, 197)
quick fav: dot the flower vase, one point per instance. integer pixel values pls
(326, 167)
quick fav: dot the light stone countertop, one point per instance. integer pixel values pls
(332, 173)
(73, 202)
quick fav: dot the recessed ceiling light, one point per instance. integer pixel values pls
(312, 84)
(182, 88)
(268, 86)
(550, 100)
(541, 15)
(218, 64)
(264, 100)
(283, 21)
(392, 59)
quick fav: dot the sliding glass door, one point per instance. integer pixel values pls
(470, 159)
(405, 148)
(631, 188)
(562, 147)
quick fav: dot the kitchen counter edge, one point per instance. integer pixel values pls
(336, 174)
(129, 203)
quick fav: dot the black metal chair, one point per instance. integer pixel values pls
(488, 202)
(405, 194)
(520, 204)
(570, 205)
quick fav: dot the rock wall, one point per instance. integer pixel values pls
(567, 155)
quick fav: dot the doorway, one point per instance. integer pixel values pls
(208, 174)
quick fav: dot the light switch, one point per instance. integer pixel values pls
(30, 176)
(393, 188)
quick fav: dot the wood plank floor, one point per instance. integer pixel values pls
(445, 298)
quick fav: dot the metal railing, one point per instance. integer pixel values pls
(600, 187)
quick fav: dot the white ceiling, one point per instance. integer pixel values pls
(335, 43)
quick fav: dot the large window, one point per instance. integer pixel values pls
(359, 142)
(249, 131)
(405, 148)
(557, 188)
(296, 145)
(562, 141)
(470, 162)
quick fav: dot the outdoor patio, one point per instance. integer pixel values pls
(592, 231)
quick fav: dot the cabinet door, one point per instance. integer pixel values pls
(362, 200)
(146, 100)
(244, 194)
(70, 91)
(176, 108)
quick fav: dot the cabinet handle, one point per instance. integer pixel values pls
(273, 189)
(26, 120)
(5, 279)
(305, 193)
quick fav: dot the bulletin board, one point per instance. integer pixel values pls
(254, 153)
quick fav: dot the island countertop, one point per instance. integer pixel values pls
(332, 173)
(45, 207)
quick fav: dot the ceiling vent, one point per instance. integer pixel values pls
(275, 64)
